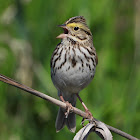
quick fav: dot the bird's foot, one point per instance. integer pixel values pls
(69, 108)
(89, 114)
(89, 117)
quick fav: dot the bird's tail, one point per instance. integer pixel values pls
(70, 121)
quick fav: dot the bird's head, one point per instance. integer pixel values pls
(76, 29)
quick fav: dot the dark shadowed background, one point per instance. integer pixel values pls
(28, 30)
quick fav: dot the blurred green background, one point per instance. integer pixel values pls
(28, 30)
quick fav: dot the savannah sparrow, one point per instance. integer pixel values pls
(73, 65)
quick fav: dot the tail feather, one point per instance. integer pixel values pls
(60, 120)
(70, 122)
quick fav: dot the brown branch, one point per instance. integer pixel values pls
(59, 103)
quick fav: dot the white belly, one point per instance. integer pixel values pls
(72, 82)
(71, 77)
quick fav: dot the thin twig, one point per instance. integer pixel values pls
(59, 103)
(121, 133)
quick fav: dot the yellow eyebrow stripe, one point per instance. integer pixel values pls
(80, 25)
(74, 25)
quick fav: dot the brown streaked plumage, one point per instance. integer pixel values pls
(73, 65)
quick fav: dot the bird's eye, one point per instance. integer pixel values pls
(76, 28)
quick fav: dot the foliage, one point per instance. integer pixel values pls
(27, 39)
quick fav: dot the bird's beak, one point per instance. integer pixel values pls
(63, 35)
(62, 25)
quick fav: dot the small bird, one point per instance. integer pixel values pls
(73, 65)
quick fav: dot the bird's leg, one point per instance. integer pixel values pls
(89, 114)
(61, 98)
(69, 107)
